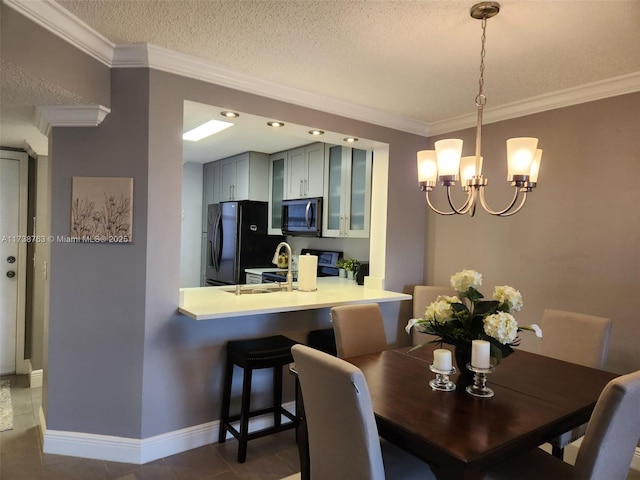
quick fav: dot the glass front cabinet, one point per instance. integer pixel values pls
(277, 177)
(347, 194)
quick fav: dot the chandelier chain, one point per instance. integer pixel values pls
(481, 99)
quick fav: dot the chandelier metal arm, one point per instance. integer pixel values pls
(440, 212)
(471, 197)
(507, 212)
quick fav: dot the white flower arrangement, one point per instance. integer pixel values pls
(457, 320)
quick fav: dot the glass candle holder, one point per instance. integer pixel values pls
(479, 387)
(442, 382)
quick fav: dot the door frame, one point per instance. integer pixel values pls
(22, 365)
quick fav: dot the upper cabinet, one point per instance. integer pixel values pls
(242, 177)
(347, 193)
(305, 172)
(277, 177)
(211, 188)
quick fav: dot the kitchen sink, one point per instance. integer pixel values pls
(257, 289)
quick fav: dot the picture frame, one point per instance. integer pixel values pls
(102, 209)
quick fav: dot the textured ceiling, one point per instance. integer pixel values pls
(411, 58)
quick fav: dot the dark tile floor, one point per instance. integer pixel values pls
(269, 458)
(21, 458)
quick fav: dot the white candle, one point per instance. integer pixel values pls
(480, 354)
(442, 359)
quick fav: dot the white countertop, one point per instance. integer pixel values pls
(207, 303)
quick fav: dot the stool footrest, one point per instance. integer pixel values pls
(265, 431)
(264, 411)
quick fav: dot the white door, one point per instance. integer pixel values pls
(9, 244)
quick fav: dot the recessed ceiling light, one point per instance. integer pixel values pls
(316, 132)
(205, 130)
(275, 124)
(350, 139)
(229, 114)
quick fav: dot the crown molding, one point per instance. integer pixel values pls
(144, 55)
(589, 92)
(69, 116)
(53, 17)
(59, 21)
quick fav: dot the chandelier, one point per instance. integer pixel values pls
(446, 164)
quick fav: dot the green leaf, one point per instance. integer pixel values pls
(486, 307)
(473, 294)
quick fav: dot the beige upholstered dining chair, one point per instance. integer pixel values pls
(608, 446)
(423, 295)
(359, 329)
(343, 436)
(575, 338)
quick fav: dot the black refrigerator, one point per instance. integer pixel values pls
(237, 239)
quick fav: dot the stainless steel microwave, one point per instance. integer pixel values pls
(302, 217)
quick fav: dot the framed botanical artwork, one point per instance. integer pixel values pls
(102, 209)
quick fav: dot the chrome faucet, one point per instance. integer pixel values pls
(289, 262)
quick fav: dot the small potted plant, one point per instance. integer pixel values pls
(341, 264)
(351, 265)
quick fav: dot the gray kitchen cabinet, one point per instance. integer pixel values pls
(211, 188)
(277, 180)
(305, 172)
(244, 177)
(203, 260)
(347, 194)
(253, 278)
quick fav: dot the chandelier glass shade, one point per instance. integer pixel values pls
(446, 164)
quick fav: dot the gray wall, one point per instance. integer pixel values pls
(98, 291)
(121, 360)
(576, 244)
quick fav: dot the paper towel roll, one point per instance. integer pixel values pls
(307, 272)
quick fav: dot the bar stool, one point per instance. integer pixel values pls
(268, 352)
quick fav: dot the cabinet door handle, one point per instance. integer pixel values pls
(301, 188)
(306, 186)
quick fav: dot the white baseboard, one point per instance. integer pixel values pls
(43, 423)
(139, 451)
(635, 463)
(35, 378)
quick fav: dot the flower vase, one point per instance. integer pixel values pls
(350, 274)
(463, 356)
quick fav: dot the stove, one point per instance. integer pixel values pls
(327, 266)
(279, 276)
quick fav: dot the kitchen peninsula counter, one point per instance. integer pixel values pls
(209, 303)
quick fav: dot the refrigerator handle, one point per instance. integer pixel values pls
(212, 254)
(217, 236)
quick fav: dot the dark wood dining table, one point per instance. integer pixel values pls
(461, 436)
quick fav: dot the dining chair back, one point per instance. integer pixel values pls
(613, 432)
(608, 446)
(342, 432)
(423, 295)
(576, 338)
(343, 437)
(359, 329)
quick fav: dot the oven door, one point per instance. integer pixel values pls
(271, 277)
